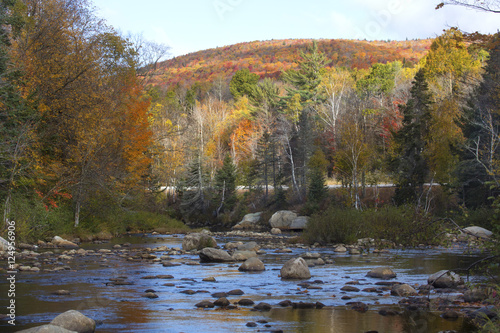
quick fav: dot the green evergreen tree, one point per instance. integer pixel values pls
(225, 186)
(317, 189)
(243, 83)
(410, 165)
(192, 191)
(306, 79)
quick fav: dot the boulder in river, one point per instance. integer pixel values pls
(253, 264)
(46, 329)
(244, 255)
(61, 242)
(476, 232)
(209, 254)
(299, 223)
(295, 268)
(445, 279)
(249, 222)
(74, 321)
(403, 290)
(384, 273)
(197, 241)
(282, 219)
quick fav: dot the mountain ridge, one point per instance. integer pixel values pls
(270, 58)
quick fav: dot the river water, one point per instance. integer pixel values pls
(125, 309)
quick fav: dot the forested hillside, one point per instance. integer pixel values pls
(270, 58)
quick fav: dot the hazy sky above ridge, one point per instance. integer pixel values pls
(193, 25)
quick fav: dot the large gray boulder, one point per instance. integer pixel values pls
(384, 273)
(249, 222)
(282, 219)
(300, 223)
(445, 279)
(295, 268)
(73, 320)
(198, 241)
(61, 242)
(46, 329)
(4, 245)
(252, 265)
(477, 232)
(209, 254)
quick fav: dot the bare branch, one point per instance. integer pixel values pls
(492, 6)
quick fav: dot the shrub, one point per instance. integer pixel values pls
(400, 225)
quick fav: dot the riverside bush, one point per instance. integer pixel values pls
(400, 225)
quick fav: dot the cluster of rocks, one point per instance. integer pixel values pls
(279, 221)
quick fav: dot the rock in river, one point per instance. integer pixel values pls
(250, 222)
(403, 290)
(198, 241)
(60, 242)
(209, 254)
(295, 268)
(445, 279)
(252, 265)
(74, 321)
(282, 219)
(384, 273)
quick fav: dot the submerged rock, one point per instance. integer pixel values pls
(384, 273)
(262, 306)
(205, 304)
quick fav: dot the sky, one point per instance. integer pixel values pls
(192, 25)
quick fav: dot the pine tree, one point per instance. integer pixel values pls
(225, 186)
(410, 165)
(192, 191)
(305, 81)
(317, 190)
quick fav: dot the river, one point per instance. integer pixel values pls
(124, 308)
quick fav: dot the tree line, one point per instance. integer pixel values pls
(395, 122)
